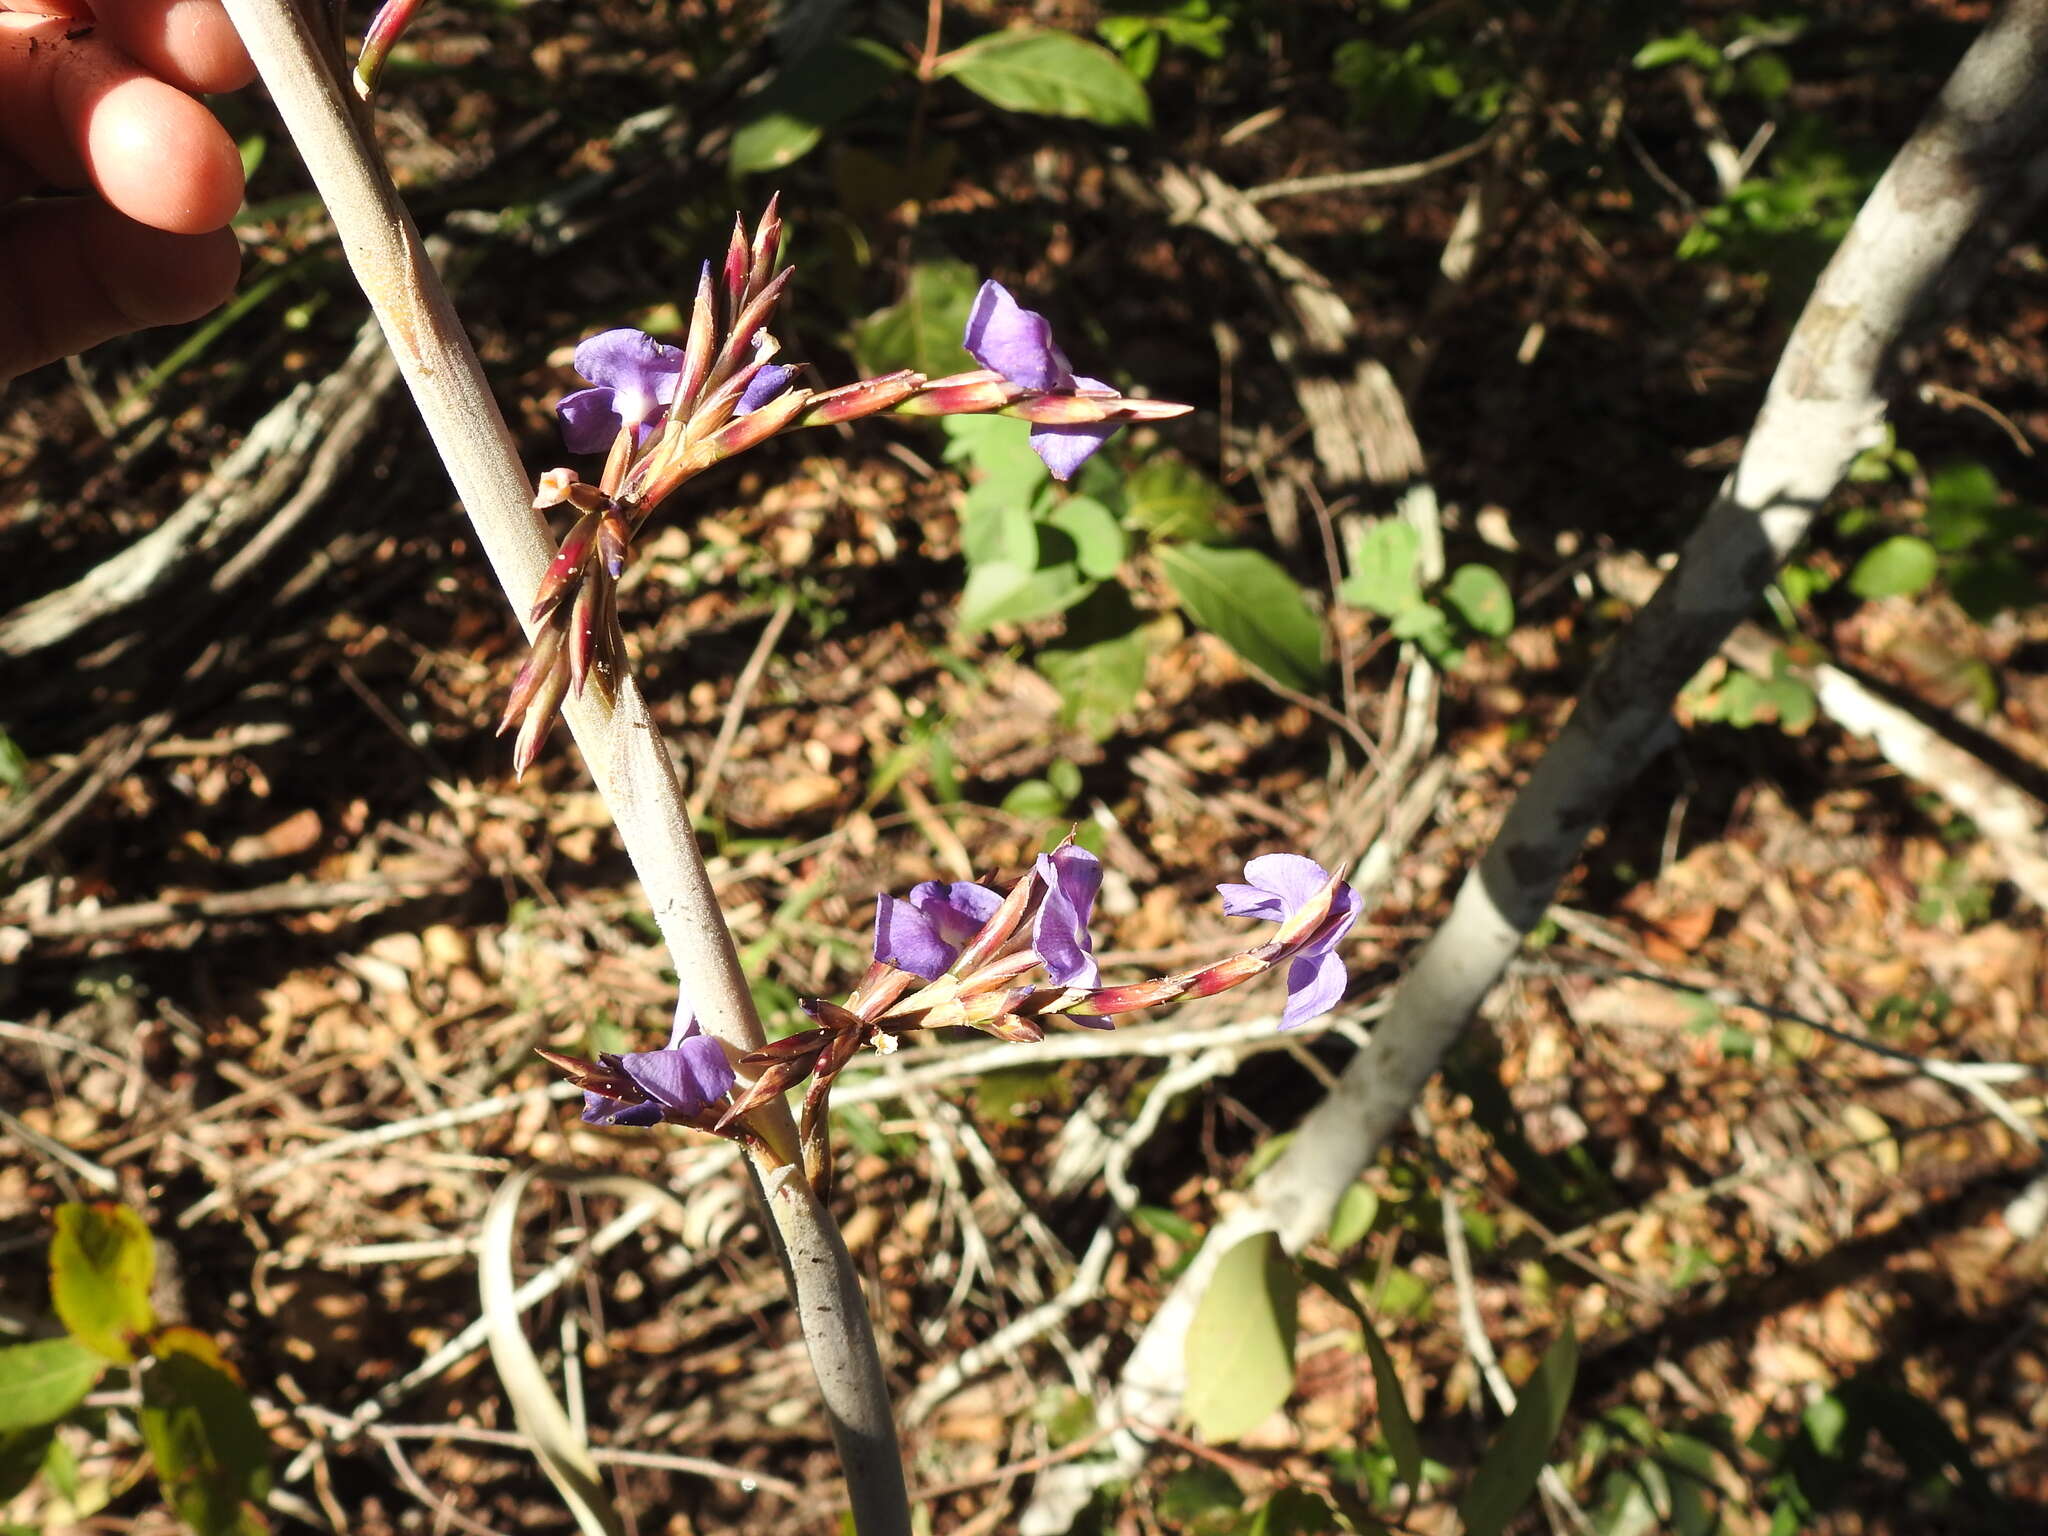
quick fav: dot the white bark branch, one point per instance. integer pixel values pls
(1975, 167)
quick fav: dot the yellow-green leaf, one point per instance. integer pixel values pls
(1240, 1348)
(42, 1381)
(1052, 73)
(1251, 604)
(101, 1265)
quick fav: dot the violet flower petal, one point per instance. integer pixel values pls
(1059, 934)
(1016, 342)
(1066, 448)
(1279, 885)
(957, 910)
(1290, 876)
(905, 937)
(765, 386)
(640, 372)
(688, 1079)
(1315, 985)
(685, 1025)
(589, 420)
(602, 1109)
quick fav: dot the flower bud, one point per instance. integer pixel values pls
(566, 569)
(850, 402)
(965, 394)
(553, 488)
(1063, 410)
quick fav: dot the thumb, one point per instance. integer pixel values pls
(74, 273)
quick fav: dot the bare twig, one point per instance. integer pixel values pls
(1948, 398)
(1480, 1347)
(286, 896)
(1376, 178)
(101, 1179)
(736, 710)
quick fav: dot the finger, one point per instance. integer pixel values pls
(16, 180)
(79, 273)
(79, 110)
(190, 43)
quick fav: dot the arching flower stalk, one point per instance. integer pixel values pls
(664, 414)
(962, 955)
(382, 34)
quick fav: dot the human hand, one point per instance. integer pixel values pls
(112, 108)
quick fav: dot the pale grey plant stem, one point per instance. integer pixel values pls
(1951, 199)
(621, 744)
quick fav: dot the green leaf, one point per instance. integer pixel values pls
(1766, 76)
(1801, 582)
(1357, 1208)
(1293, 1512)
(1480, 595)
(211, 1455)
(1165, 499)
(101, 1265)
(1054, 74)
(1252, 605)
(1035, 800)
(1688, 47)
(1382, 576)
(1986, 585)
(13, 764)
(1240, 1346)
(42, 1381)
(1202, 1501)
(824, 87)
(1507, 1475)
(1899, 567)
(1099, 665)
(1142, 57)
(1403, 1293)
(1005, 593)
(1099, 542)
(21, 1455)
(921, 330)
(1395, 1423)
(1826, 1422)
(998, 532)
(1963, 502)
(1161, 1222)
(1794, 703)
(1430, 629)
(999, 450)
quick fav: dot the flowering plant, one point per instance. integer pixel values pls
(663, 414)
(961, 954)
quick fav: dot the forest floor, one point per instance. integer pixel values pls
(279, 930)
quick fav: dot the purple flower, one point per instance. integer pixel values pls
(924, 935)
(1059, 935)
(634, 377)
(685, 1078)
(765, 386)
(1281, 884)
(1017, 343)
